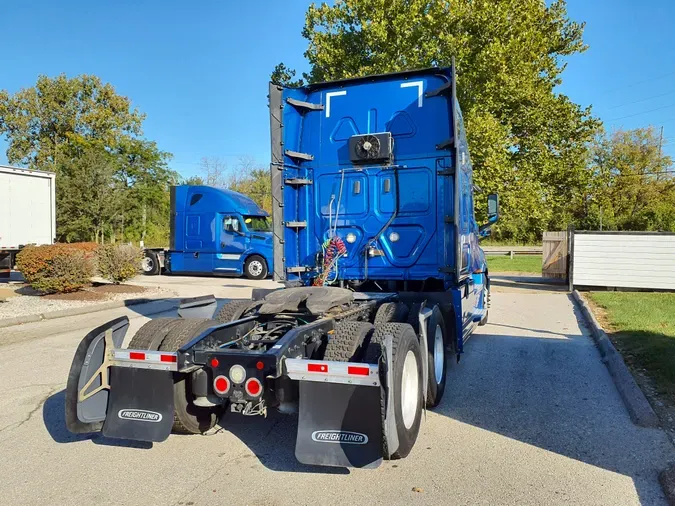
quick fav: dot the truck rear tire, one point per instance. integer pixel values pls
(347, 342)
(394, 312)
(232, 311)
(407, 373)
(151, 335)
(437, 343)
(255, 267)
(150, 263)
(189, 418)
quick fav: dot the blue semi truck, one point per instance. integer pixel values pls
(376, 243)
(214, 231)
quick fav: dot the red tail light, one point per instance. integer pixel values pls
(358, 371)
(168, 358)
(221, 385)
(135, 355)
(253, 387)
(317, 368)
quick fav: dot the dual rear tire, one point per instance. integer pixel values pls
(407, 367)
(407, 383)
(169, 334)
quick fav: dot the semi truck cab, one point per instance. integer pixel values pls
(215, 231)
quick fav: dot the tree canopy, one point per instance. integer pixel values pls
(112, 183)
(629, 184)
(528, 141)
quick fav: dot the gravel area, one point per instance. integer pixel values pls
(24, 305)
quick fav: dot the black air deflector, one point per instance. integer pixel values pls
(371, 148)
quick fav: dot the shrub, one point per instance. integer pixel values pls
(57, 268)
(118, 263)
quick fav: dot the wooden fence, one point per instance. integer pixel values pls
(555, 255)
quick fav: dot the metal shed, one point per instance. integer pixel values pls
(634, 260)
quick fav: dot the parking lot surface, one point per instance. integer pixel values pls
(530, 416)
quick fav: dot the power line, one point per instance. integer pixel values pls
(643, 112)
(638, 82)
(641, 100)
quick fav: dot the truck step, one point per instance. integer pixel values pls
(307, 106)
(297, 181)
(296, 224)
(295, 270)
(299, 156)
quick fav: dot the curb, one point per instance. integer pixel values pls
(62, 313)
(639, 409)
(667, 481)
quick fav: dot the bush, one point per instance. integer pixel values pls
(118, 263)
(58, 268)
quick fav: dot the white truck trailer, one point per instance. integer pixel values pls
(27, 211)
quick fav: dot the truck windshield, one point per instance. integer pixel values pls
(257, 223)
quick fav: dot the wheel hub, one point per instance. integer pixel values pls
(439, 355)
(148, 264)
(255, 268)
(409, 389)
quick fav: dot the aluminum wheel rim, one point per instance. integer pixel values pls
(439, 355)
(148, 264)
(255, 268)
(410, 387)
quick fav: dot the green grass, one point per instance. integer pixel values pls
(520, 263)
(642, 325)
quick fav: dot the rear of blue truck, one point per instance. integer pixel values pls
(376, 242)
(380, 164)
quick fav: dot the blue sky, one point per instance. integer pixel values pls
(199, 70)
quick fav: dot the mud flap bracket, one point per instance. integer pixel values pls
(88, 383)
(389, 422)
(425, 314)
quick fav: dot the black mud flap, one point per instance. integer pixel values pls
(85, 413)
(339, 425)
(198, 307)
(141, 404)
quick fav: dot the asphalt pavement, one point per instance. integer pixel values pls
(530, 416)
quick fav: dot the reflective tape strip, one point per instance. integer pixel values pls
(348, 373)
(144, 359)
(227, 256)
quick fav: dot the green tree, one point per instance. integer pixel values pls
(528, 141)
(252, 180)
(194, 180)
(285, 76)
(89, 135)
(89, 196)
(630, 184)
(41, 120)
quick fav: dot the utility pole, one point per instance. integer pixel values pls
(660, 142)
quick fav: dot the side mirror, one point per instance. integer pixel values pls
(493, 208)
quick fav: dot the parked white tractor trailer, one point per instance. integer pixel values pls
(27, 211)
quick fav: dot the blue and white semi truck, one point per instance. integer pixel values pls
(213, 231)
(376, 242)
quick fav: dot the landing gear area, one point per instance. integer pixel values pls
(357, 369)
